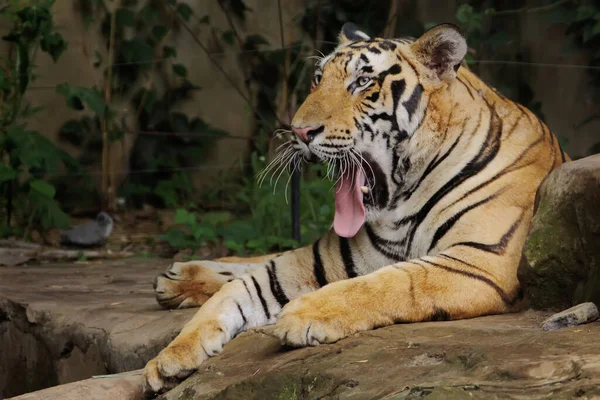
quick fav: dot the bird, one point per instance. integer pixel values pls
(91, 234)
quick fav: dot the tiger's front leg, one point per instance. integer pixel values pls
(191, 284)
(430, 288)
(254, 299)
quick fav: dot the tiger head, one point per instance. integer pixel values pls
(367, 101)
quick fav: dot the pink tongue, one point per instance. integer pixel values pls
(349, 208)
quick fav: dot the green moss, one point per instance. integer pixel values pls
(280, 387)
(553, 254)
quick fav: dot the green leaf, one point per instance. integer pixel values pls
(77, 96)
(43, 188)
(183, 217)
(185, 11)
(169, 51)
(585, 11)
(180, 70)
(22, 67)
(7, 173)
(256, 40)
(137, 50)
(254, 244)
(228, 37)
(159, 32)
(98, 60)
(204, 20)
(125, 17)
(215, 219)
(29, 111)
(54, 44)
(149, 14)
(47, 211)
(588, 33)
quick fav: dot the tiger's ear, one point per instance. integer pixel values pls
(441, 49)
(351, 33)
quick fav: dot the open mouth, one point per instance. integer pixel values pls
(356, 190)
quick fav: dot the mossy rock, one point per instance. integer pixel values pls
(562, 251)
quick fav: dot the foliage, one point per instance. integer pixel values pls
(262, 222)
(27, 157)
(147, 74)
(494, 37)
(583, 30)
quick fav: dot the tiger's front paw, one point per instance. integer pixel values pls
(172, 365)
(310, 321)
(183, 356)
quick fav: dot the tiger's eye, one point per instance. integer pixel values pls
(363, 80)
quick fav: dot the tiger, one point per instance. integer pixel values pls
(437, 176)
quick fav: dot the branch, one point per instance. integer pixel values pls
(545, 8)
(107, 181)
(241, 45)
(22, 252)
(284, 111)
(217, 65)
(392, 22)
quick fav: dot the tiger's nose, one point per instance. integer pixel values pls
(307, 135)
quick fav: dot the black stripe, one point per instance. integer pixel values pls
(463, 262)
(480, 278)
(346, 253)
(373, 98)
(524, 111)
(276, 289)
(541, 124)
(510, 132)
(262, 299)
(511, 168)
(383, 245)
(446, 226)
(241, 312)
(468, 88)
(387, 45)
(413, 102)
(439, 314)
(562, 153)
(488, 151)
(496, 248)
(407, 60)
(432, 165)
(318, 269)
(247, 290)
(367, 68)
(397, 88)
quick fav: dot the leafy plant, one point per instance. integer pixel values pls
(262, 221)
(26, 156)
(142, 68)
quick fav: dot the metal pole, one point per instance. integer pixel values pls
(296, 204)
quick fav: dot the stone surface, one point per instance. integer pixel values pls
(127, 387)
(65, 322)
(580, 314)
(563, 247)
(502, 356)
